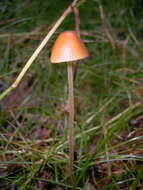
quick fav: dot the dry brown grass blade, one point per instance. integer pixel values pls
(105, 25)
(77, 29)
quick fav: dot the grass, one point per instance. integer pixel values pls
(108, 96)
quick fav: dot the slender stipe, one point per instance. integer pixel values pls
(71, 122)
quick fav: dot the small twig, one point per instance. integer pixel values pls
(77, 20)
(77, 29)
(38, 50)
(105, 25)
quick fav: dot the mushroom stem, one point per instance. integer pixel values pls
(71, 121)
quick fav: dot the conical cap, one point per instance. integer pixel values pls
(68, 47)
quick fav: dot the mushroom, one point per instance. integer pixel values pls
(69, 48)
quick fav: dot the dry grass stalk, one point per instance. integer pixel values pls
(39, 49)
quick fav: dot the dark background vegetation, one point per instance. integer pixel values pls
(108, 96)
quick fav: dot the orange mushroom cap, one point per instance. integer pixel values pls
(68, 47)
